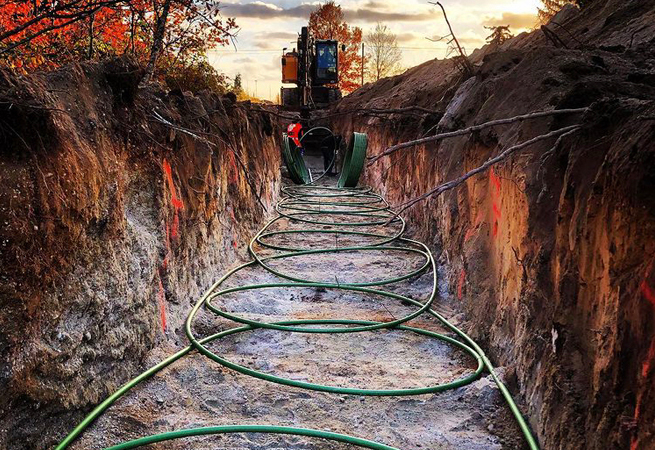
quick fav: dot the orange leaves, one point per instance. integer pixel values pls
(44, 34)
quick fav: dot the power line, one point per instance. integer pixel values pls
(255, 51)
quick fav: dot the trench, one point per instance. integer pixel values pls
(353, 351)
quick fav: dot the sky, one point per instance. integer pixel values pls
(266, 27)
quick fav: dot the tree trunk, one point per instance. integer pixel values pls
(90, 49)
(157, 41)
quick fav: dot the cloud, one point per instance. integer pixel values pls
(514, 20)
(404, 38)
(277, 35)
(369, 13)
(261, 10)
(269, 40)
(246, 60)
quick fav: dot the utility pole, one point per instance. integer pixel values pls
(256, 91)
(362, 64)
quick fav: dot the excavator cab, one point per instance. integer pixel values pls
(326, 64)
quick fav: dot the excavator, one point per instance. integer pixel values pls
(313, 67)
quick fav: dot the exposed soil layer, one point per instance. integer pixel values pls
(197, 392)
(551, 252)
(118, 206)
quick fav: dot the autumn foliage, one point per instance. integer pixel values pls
(328, 22)
(44, 34)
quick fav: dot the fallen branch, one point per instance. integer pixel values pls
(410, 110)
(275, 113)
(404, 110)
(438, 137)
(562, 132)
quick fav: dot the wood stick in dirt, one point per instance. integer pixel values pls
(450, 134)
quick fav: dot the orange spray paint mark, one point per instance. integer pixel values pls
(175, 200)
(647, 364)
(161, 298)
(175, 227)
(234, 172)
(647, 292)
(460, 284)
(497, 213)
(495, 181)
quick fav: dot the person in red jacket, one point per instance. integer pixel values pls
(294, 131)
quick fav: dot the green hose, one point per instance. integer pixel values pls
(331, 211)
(251, 429)
(353, 161)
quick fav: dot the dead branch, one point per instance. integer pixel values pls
(553, 37)
(450, 134)
(582, 45)
(562, 132)
(465, 62)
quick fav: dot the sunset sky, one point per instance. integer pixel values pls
(267, 27)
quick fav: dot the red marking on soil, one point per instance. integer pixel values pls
(497, 213)
(175, 200)
(645, 370)
(647, 292)
(645, 367)
(234, 244)
(234, 172)
(176, 225)
(460, 285)
(494, 179)
(161, 298)
(173, 231)
(495, 198)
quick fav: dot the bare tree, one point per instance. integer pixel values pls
(383, 54)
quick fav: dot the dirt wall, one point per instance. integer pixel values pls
(119, 206)
(551, 252)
